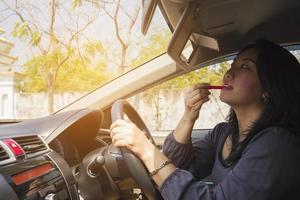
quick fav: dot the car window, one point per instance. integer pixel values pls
(162, 106)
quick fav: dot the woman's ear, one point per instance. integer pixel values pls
(265, 96)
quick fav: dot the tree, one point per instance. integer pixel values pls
(55, 39)
(156, 45)
(123, 39)
(124, 19)
(72, 74)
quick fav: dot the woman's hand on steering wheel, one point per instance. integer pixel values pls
(127, 134)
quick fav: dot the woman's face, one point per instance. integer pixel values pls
(242, 85)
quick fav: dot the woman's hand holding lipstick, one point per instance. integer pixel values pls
(195, 97)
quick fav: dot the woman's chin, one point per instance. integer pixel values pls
(226, 100)
(223, 98)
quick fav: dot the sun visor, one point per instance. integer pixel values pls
(187, 29)
(147, 14)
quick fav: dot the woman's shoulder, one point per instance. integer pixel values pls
(220, 128)
(274, 132)
(274, 137)
(219, 131)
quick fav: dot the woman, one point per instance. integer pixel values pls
(255, 155)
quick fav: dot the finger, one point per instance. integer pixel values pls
(199, 104)
(201, 91)
(121, 130)
(193, 97)
(201, 85)
(196, 87)
(201, 94)
(191, 101)
(198, 97)
(193, 88)
(119, 122)
(120, 136)
(118, 129)
(121, 143)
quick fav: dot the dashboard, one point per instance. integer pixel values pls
(64, 156)
(39, 159)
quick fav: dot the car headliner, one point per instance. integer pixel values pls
(231, 24)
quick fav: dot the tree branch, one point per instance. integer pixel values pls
(116, 23)
(22, 20)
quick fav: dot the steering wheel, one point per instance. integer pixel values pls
(135, 166)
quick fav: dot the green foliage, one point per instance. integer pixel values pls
(79, 77)
(20, 30)
(92, 48)
(35, 38)
(76, 74)
(76, 3)
(212, 75)
(158, 45)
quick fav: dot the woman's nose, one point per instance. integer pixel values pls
(228, 75)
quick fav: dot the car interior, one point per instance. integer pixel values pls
(69, 154)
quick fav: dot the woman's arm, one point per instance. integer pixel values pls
(195, 97)
(267, 170)
(197, 157)
(125, 134)
(258, 175)
(202, 152)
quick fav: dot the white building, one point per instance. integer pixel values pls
(7, 77)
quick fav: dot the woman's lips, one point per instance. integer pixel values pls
(227, 87)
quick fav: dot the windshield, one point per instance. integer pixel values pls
(53, 52)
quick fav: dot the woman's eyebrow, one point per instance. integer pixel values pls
(251, 60)
(245, 59)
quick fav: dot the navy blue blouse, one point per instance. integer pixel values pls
(268, 169)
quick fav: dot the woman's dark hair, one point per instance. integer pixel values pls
(279, 74)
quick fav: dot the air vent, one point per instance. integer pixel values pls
(31, 144)
(3, 154)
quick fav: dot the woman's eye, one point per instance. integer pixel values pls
(244, 66)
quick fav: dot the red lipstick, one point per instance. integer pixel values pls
(215, 87)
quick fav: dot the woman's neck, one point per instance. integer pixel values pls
(246, 116)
